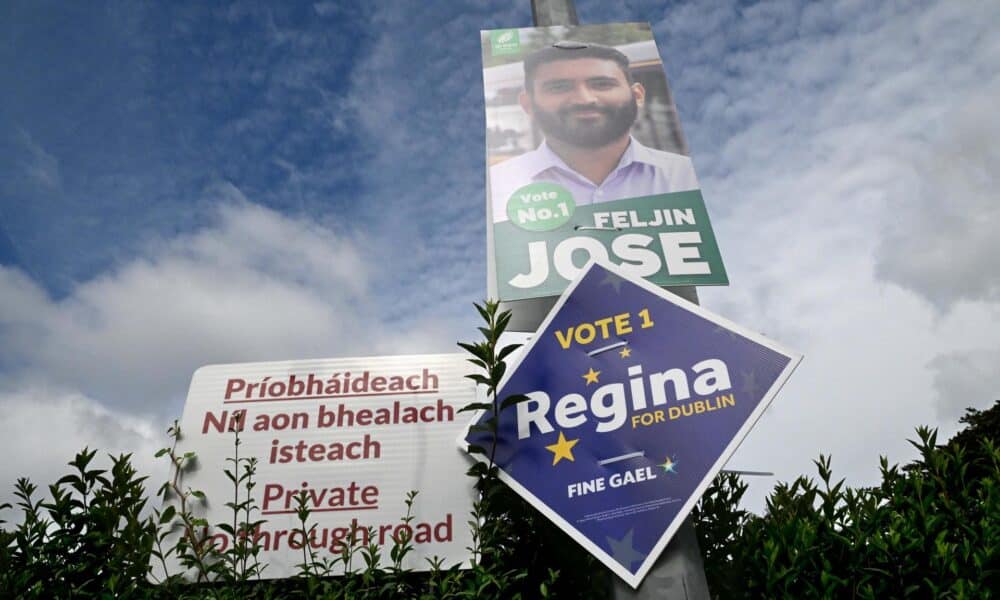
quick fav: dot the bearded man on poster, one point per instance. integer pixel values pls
(584, 100)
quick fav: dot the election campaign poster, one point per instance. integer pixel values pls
(355, 435)
(635, 400)
(586, 158)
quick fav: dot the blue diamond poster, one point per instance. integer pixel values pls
(636, 399)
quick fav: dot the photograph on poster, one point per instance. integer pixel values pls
(584, 107)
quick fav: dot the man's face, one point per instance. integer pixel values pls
(584, 102)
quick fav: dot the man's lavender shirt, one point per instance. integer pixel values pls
(642, 171)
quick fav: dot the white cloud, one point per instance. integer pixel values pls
(943, 244)
(108, 366)
(257, 286)
(966, 378)
(254, 286)
(44, 426)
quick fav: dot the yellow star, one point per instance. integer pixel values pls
(562, 449)
(626, 352)
(591, 376)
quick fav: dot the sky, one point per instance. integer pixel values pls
(192, 183)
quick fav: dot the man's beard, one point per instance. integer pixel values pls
(618, 120)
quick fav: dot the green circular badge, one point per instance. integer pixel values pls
(540, 206)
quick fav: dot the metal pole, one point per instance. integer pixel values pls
(553, 12)
(678, 573)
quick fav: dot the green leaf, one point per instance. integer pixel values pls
(477, 469)
(480, 351)
(479, 363)
(497, 372)
(483, 312)
(512, 400)
(502, 322)
(168, 514)
(507, 350)
(480, 379)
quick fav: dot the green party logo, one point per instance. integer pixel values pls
(505, 41)
(540, 207)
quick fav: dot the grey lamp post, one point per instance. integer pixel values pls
(679, 573)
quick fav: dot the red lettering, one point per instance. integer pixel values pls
(272, 491)
(233, 386)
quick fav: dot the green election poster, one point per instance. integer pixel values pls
(586, 159)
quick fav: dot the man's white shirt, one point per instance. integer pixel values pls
(642, 171)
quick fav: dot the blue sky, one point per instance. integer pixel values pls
(185, 183)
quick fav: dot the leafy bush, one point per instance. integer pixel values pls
(87, 540)
(930, 529)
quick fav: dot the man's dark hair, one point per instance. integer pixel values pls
(567, 50)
